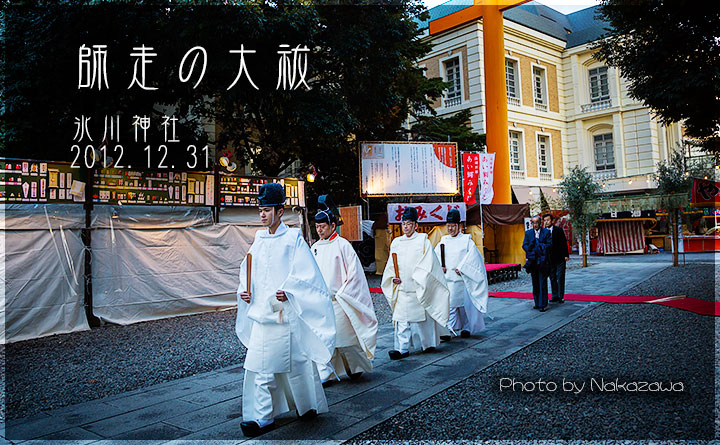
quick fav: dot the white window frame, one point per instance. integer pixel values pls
(538, 134)
(544, 86)
(443, 72)
(600, 98)
(521, 146)
(594, 155)
(518, 79)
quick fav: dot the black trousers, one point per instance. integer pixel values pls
(539, 284)
(557, 280)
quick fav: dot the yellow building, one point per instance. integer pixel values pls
(565, 108)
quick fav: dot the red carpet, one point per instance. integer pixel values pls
(491, 267)
(701, 307)
(695, 305)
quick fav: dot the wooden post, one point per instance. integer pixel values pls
(675, 243)
(248, 265)
(216, 194)
(496, 100)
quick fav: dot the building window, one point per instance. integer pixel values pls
(604, 155)
(599, 89)
(543, 153)
(453, 95)
(539, 89)
(512, 82)
(511, 77)
(516, 152)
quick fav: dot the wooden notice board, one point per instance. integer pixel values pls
(351, 229)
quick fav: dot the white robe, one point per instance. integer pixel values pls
(420, 303)
(283, 339)
(469, 290)
(355, 319)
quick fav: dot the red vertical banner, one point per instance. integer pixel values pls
(471, 171)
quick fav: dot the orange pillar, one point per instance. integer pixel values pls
(496, 113)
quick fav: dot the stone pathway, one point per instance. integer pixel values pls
(208, 406)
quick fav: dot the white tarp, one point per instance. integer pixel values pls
(41, 272)
(149, 217)
(147, 274)
(141, 275)
(147, 263)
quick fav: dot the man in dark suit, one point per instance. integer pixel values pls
(559, 254)
(537, 246)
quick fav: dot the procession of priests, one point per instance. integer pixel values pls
(355, 320)
(466, 277)
(307, 319)
(285, 319)
(416, 290)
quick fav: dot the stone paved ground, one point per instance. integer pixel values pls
(113, 359)
(640, 342)
(208, 406)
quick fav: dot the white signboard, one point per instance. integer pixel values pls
(427, 212)
(408, 168)
(487, 169)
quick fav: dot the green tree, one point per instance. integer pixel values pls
(670, 54)
(577, 187)
(361, 73)
(675, 176)
(544, 206)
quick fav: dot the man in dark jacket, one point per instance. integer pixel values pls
(537, 246)
(558, 256)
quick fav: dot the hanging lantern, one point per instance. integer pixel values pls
(224, 161)
(312, 175)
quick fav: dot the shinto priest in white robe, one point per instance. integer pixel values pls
(420, 303)
(284, 339)
(469, 290)
(355, 318)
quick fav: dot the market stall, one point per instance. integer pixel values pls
(706, 236)
(623, 232)
(626, 224)
(504, 226)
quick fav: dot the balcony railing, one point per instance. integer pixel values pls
(515, 101)
(453, 101)
(424, 111)
(545, 176)
(517, 174)
(602, 175)
(595, 106)
(541, 106)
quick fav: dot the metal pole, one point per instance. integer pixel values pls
(86, 236)
(216, 193)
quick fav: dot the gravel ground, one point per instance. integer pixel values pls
(50, 372)
(639, 342)
(60, 370)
